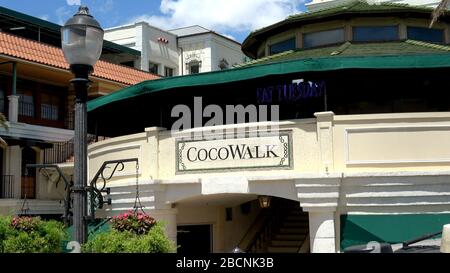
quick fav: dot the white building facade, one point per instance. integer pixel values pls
(182, 51)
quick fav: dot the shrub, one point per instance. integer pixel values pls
(136, 222)
(30, 235)
(127, 241)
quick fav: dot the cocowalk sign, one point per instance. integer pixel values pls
(261, 152)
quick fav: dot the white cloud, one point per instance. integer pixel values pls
(221, 15)
(106, 6)
(73, 2)
(228, 36)
(63, 14)
(44, 17)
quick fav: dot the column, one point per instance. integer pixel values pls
(13, 113)
(169, 218)
(322, 232)
(149, 165)
(320, 198)
(325, 137)
(14, 167)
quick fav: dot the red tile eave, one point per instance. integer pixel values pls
(33, 51)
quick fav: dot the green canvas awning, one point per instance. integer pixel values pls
(362, 229)
(318, 64)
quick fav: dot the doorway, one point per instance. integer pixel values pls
(194, 239)
(28, 185)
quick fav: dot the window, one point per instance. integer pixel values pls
(49, 107)
(282, 46)
(426, 34)
(326, 37)
(375, 33)
(153, 68)
(129, 64)
(168, 72)
(26, 103)
(223, 64)
(2, 101)
(194, 67)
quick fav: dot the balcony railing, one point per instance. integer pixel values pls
(49, 112)
(2, 105)
(26, 109)
(69, 120)
(60, 153)
(63, 152)
(6, 186)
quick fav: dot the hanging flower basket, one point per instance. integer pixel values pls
(136, 222)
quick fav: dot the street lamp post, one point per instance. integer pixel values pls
(82, 43)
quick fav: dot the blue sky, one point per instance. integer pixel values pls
(234, 18)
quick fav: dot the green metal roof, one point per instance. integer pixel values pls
(408, 47)
(55, 28)
(352, 8)
(400, 55)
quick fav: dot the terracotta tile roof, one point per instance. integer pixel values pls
(29, 50)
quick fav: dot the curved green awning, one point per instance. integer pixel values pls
(357, 229)
(279, 68)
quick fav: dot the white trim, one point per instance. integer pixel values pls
(25, 130)
(389, 129)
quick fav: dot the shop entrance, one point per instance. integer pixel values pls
(241, 223)
(194, 239)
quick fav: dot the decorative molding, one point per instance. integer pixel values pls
(347, 131)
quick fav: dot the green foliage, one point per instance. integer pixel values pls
(114, 241)
(30, 235)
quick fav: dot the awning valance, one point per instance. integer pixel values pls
(279, 68)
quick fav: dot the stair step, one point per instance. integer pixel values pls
(292, 224)
(277, 249)
(284, 230)
(295, 217)
(295, 237)
(286, 243)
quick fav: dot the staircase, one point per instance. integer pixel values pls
(284, 228)
(291, 235)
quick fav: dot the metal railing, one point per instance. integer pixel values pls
(6, 186)
(63, 151)
(2, 105)
(69, 121)
(49, 112)
(271, 224)
(60, 152)
(26, 109)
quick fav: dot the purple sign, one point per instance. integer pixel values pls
(290, 92)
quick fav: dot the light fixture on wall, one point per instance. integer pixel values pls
(264, 201)
(163, 40)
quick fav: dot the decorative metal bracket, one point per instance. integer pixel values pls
(96, 190)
